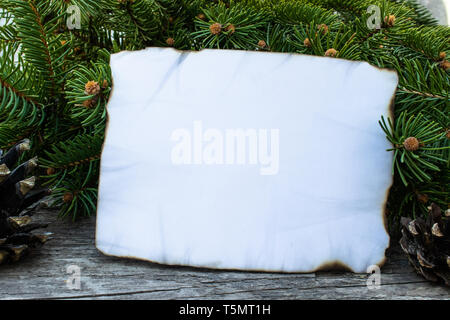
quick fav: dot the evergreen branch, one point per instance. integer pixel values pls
(423, 94)
(235, 27)
(297, 12)
(415, 141)
(55, 82)
(5, 84)
(422, 14)
(138, 20)
(38, 46)
(83, 107)
(68, 154)
(8, 34)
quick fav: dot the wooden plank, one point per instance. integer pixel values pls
(43, 274)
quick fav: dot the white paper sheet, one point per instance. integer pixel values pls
(245, 160)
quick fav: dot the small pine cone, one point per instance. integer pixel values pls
(170, 19)
(105, 84)
(88, 103)
(262, 44)
(91, 88)
(442, 55)
(215, 28)
(230, 28)
(170, 41)
(447, 133)
(322, 27)
(422, 197)
(307, 43)
(201, 16)
(389, 20)
(426, 244)
(331, 52)
(68, 197)
(411, 144)
(381, 46)
(445, 65)
(50, 171)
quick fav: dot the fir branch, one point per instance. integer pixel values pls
(235, 27)
(40, 47)
(423, 94)
(17, 92)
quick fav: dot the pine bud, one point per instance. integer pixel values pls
(307, 43)
(91, 88)
(231, 28)
(331, 52)
(389, 20)
(445, 65)
(262, 44)
(442, 55)
(63, 42)
(50, 171)
(170, 41)
(411, 144)
(422, 198)
(68, 197)
(215, 28)
(323, 27)
(105, 84)
(447, 133)
(87, 103)
(170, 19)
(201, 16)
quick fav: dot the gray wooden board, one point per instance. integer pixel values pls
(43, 275)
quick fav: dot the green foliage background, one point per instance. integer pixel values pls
(45, 67)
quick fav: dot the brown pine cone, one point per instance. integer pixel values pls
(16, 194)
(427, 245)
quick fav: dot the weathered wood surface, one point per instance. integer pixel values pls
(43, 274)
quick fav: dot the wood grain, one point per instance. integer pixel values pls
(43, 275)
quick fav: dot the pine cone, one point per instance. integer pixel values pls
(16, 195)
(331, 52)
(262, 44)
(215, 28)
(230, 28)
(91, 88)
(427, 245)
(307, 43)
